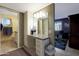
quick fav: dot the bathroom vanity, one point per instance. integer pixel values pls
(37, 43)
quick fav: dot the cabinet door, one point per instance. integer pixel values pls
(31, 42)
(39, 47)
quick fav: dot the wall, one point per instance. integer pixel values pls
(62, 10)
(29, 21)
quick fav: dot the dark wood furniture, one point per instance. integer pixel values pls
(7, 30)
(74, 31)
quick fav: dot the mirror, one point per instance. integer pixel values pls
(40, 21)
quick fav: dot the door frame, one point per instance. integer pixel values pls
(12, 10)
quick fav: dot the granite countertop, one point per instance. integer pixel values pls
(42, 37)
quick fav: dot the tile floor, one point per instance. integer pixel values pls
(7, 43)
(67, 52)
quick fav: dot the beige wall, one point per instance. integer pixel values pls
(21, 29)
(25, 29)
(29, 21)
(51, 18)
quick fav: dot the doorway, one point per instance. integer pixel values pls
(8, 30)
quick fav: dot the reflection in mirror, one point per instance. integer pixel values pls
(40, 21)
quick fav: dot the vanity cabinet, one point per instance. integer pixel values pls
(40, 46)
(37, 44)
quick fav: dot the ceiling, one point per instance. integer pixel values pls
(6, 12)
(23, 7)
(63, 10)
